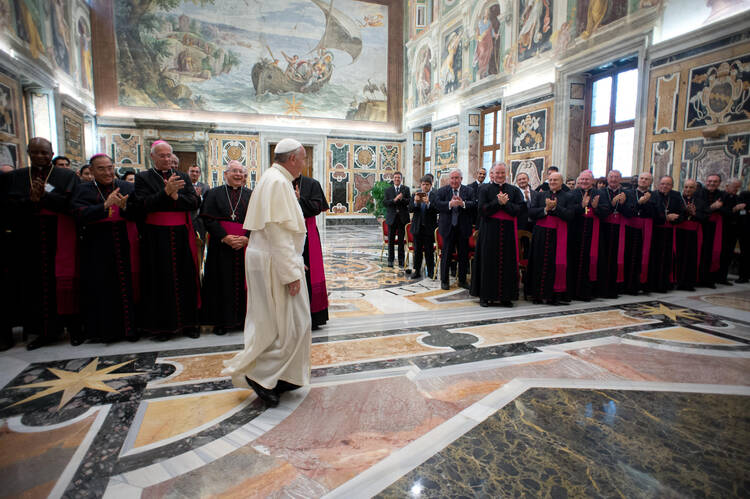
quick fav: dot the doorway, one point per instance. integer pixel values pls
(187, 159)
(308, 171)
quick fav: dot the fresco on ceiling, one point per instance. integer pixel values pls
(593, 14)
(534, 28)
(294, 58)
(45, 31)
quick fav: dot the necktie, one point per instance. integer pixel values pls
(526, 194)
(454, 211)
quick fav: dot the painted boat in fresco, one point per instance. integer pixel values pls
(341, 33)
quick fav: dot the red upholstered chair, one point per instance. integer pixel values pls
(410, 245)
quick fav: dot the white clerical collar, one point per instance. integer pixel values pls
(284, 171)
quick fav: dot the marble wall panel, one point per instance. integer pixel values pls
(75, 148)
(667, 91)
(528, 139)
(12, 131)
(353, 167)
(125, 146)
(662, 158)
(223, 148)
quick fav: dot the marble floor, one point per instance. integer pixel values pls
(416, 392)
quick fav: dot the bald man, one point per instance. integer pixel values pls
(169, 256)
(690, 235)
(37, 200)
(713, 231)
(583, 237)
(223, 294)
(638, 233)
(620, 204)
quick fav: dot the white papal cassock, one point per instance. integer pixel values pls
(277, 326)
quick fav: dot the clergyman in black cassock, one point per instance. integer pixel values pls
(37, 200)
(717, 209)
(313, 202)
(423, 224)
(547, 274)
(110, 260)
(689, 236)
(583, 238)
(223, 293)
(495, 273)
(669, 210)
(639, 231)
(620, 205)
(396, 201)
(730, 228)
(743, 228)
(169, 257)
(455, 204)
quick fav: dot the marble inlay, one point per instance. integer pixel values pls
(453, 298)
(686, 335)
(739, 300)
(352, 308)
(31, 463)
(595, 443)
(163, 419)
(194, 367)
(518, 331)
(388, 347)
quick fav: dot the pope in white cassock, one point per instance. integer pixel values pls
(276, 357)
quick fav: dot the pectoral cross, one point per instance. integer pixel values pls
(233, 217)
(586, 210)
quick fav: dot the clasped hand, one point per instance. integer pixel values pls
(644, 199)
(502, 198)
(620, 198)
(235, 242)
(551, 204)
(455, 201)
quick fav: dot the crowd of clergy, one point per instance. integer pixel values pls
(560, 243)
(154, 254)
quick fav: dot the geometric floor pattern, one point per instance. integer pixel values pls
(416, 392)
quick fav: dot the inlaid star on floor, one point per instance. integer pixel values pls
(71, 382)
(671, 313)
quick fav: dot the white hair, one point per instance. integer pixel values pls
(456, 170)
(159, 143)
(234, 162)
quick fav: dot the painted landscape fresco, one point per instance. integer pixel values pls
(293, 58)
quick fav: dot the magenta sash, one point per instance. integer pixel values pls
(233, 228)
(561, 252)
(594, 251)
(66, 263)
(645, 225)
(501, 215)
(716, 248)
(176, 218)
(673, 228)
(618, 219)
(319, 292)
(135, 255)
(698, 228)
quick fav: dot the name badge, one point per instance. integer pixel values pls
(49, 188)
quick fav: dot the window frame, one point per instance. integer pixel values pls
(426, 130)
(496, 147)
(611, 126)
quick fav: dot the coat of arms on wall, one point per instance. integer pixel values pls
(529, 131)
(445, 149)
(719, 93)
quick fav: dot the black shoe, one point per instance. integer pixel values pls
(220, 331)
(724, 282)
(416, 275)
(742, 281)
(444, 285)
(506, 304)
(75, 340)
(463, 284)
(37, 342)
(132, 338)
(285, 386)
(389, 264)
(162, 337)
(192, 332)
(270, 398)
(484, 303)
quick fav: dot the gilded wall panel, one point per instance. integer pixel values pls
(528, 139)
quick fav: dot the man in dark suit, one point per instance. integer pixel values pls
(423, 225)
(396, 203)
(479, 177)
(522, 182)
(455, 203)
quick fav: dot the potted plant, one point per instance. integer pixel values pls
(375, 205)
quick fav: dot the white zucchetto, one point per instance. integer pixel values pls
(287, 145)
